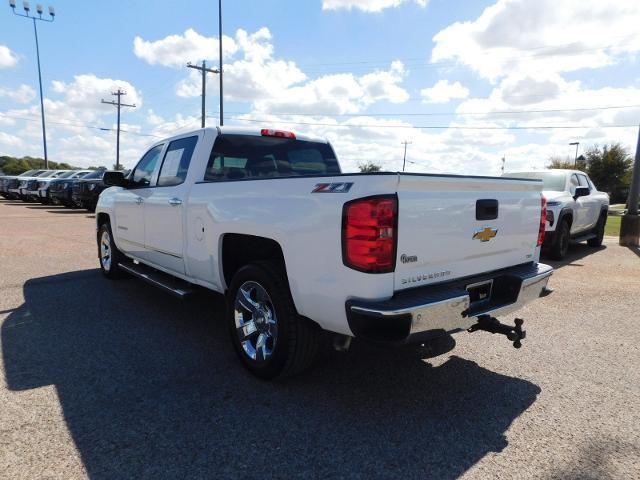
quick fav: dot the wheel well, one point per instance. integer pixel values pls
(239, 250)
(568, 217)
(102, 219)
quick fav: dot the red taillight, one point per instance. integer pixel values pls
(543, 220)
(268, 132)
(369, 234)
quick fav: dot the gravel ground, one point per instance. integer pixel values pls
(118, 380)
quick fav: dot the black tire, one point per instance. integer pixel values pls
(297, 341)
(599, 231)
(109, 269)
(560, 245)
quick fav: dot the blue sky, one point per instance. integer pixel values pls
(364, 73)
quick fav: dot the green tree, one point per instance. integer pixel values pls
(610, 169)
(564, 163)
(369, 167)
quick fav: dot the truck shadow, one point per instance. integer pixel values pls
(577, 251)
(150, 387)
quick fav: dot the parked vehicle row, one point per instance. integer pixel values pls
(70, 188)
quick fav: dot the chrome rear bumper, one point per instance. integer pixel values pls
(418, 314)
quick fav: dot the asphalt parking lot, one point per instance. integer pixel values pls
(118, 380)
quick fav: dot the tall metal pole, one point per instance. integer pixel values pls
(44, 130)
(204, 91)
(118, 135)
(220, 53)
(404, 160)
(52, 14)
(630, 223)
(634, 193)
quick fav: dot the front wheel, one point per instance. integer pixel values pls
(560, 245)
(108, 254)
(268, 335)
(599, 231)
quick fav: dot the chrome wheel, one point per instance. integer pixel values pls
(255, 321)
(105, 251)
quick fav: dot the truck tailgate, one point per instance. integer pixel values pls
(442, 236)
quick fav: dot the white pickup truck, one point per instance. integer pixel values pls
(576, 210)
(267, 218)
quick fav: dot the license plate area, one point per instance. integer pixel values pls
(480, 294)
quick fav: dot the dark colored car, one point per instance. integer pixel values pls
(85, 191)
(60, 190)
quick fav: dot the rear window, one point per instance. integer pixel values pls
(552, 181)
(236, 157)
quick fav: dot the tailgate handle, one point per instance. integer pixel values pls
(486, 209)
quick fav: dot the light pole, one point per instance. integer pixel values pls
(575, 159)
(220, 53)
(52, 13)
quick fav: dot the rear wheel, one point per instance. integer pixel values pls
(560, 245)
(268, 335)
(599, 231)
(108, 253)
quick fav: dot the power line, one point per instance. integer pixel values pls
(80, 125)
(443, 114)
(436, 127)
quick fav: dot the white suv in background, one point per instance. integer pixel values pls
(576, 210)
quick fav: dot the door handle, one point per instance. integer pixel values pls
(174, 202)
(139, 200)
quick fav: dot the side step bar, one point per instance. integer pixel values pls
(584, 237)
(174, 286)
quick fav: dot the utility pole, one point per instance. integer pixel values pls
(118, 104)
(404, 160)
(630, 224)
(220, 54)
(204, 71)
(52, 14)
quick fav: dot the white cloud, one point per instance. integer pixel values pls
(443, 92)
(177, 50)
(542, 36)
(7, 57)
(337, 93)
(22, 94)
(86, 91)
(366, 5)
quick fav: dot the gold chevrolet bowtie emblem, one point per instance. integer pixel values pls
(485, 234)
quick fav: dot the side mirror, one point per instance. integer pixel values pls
(114, 179)
(581, 192)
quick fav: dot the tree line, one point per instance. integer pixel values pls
(16, 166)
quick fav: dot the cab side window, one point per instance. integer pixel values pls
(143, 172)
(583, 181)
(176, 162)
(573, 183)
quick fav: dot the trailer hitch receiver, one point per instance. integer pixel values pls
(491, 324)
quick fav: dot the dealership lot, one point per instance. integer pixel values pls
(115, 380)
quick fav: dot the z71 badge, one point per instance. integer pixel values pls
(332, 187)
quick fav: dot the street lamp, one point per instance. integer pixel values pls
(575, 160)
(52, 14)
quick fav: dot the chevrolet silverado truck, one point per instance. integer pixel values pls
(576, 210)
(267, 218)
